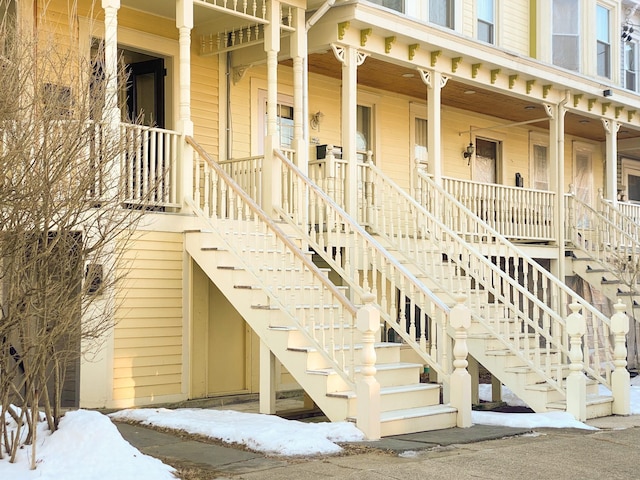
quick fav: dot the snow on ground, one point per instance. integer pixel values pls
(87, 445)
(263, 433)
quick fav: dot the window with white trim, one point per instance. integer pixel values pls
(630, 66)
(397, 5)
(485, 30)
(565, 42)
(603, 41)
(441, 12)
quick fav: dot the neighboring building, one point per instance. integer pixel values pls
(448, 133)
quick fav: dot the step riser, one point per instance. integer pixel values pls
(386, 355)
(401, 401)
(412, 425)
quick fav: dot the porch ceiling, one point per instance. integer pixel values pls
(391, 77)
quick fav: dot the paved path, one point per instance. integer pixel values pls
(613, 452)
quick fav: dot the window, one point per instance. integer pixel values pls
(566, 34)
(363, 134)
(485, 168)
(603, 40)
(540, 167)
(397, 5)
(486, 21)
(630, 75)
(441, 12)
(420, 140)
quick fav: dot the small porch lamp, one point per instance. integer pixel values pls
(468, 151)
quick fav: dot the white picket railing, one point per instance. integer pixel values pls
(408, 307)
(263, 247)
(521, 288)
(517, 213)
(149, 167)
(610, 238)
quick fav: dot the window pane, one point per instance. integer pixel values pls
(540, 168)
(566, 15)
(604, 59)
(440, 12)
(363, 134)
(485, 32)
(420, 145)
(565, 52)
(485, 10)
(602, 24)
(634, 188)
(397, 5)
(630, 54)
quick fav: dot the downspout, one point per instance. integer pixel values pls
(228, 108)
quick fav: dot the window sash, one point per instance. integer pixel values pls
(441, 12)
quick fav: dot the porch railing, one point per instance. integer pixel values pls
(409, 309)
(517, 213)
(526, 297)
(149, 166)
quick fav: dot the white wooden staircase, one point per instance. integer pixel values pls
(307, 322)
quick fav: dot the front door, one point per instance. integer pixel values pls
(485, 167)
(145, 92)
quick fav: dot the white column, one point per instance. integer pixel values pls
(184, 23)
(271, 173)
(298, 52)
(556, 115)
(611, 128)
(434, 126)
(351, 59)
(111, 112)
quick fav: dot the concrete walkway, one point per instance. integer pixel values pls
(410, 453)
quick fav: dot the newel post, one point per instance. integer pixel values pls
(576, 381)
(620, 378)
(367, 387)
(460, 390)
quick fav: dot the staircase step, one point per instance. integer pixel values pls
(386, 352)
(411, 420)
(597, 405)
(399, 397)
(387, 375)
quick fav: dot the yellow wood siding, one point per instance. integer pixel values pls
(515, 24)
(148, 337)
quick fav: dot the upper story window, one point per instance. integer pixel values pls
(397, 5)
(603, 41)
(441, 12)
(486, 21)
(630, 66)
(566, 34)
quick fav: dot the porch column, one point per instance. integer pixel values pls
(184, 23)
(298, 52)
(271, 174)
(611, 128)
(435, 82)
(556, 115)
(111, 113)
(350, 59)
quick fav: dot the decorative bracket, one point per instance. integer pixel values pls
(388, 43)
(590, 103)
(434, 57)
(530, 84)
(545, 90)
(238, 73)
(360, 58)
(576, 99)
(618, 111)
(610, 126)
(342, 29)
(412, 50)
(425, 75)
(494, 75)
(455, 61)
(340, 54)
(630, 114)
(364, 36)
(548, 108)
(475, 68)
(512, 81)
(605, 107)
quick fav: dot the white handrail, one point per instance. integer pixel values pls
(407, 306)
(540, 315)
(329, 324)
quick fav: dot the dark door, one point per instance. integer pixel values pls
(145, 92)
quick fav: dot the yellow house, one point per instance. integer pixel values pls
(455, 172)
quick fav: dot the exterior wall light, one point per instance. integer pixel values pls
(468, 152)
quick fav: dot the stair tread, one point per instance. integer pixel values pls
(592, 399)
(393, 415)
(379, 367)
(414, 387)
(357, 346)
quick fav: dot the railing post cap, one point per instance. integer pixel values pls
(368, 316)
(576, 324)
(619, 320)
(460, 316)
